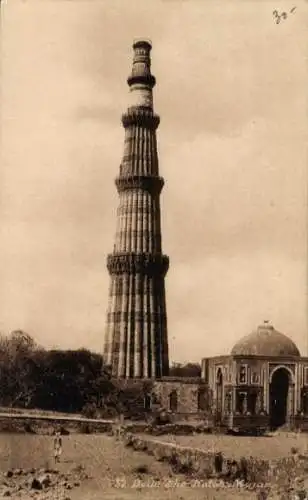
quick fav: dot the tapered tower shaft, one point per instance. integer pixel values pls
(136, 344)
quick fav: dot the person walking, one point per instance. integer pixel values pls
(57, 446)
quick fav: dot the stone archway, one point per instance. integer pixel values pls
(219, 392)
(173, 401)
(147, 402)
(279, 394)
(202, 399)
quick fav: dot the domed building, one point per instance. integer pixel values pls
(262, 383)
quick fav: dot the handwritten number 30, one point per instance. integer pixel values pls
(283, 15)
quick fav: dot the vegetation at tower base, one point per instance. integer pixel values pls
(70, 381)
(185, 370)
(64, 381)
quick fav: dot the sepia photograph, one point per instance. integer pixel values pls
(153, 250)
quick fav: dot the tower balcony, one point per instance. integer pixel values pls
(141, 116)
(132, 263)
(152, 184)
(142, 76)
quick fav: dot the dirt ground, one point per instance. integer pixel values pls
(111, 467)
(269, 447)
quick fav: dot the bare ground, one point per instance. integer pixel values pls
(112, 469)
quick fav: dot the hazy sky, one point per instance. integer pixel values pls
(232, 95)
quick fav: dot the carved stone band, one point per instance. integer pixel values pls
(148, 183)
(142, 117)
(144, 77)
(131, 263)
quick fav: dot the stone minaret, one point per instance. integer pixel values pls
(136, 344)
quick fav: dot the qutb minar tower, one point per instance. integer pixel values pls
(136, 343)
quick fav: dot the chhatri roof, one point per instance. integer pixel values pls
(265, 341)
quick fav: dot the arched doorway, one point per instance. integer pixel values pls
(278, 397)
(173, 401)
(202, 400)
(147, 402)
(219, 392)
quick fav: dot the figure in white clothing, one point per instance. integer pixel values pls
(57, 446)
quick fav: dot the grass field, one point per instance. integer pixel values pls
(270, 447)
(106, 461)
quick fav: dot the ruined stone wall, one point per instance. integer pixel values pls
(186, 391)
(200, 463)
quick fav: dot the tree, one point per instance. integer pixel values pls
(16, 351)
(54, 380)
(185, 370)
(69, 380)
(129, 397)
(21, 343)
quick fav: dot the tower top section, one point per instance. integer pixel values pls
(142, 42)
(141, 81)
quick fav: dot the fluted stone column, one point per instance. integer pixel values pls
(136, 342)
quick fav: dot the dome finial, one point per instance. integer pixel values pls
(266, 325)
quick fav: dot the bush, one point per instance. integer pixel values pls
(89, 410)
(29, 429)
(162, 418)
(63, 431)
(185, 465)
(262, 494)
(141, 469)
(294, 450)
(85, 428)
(218, 462)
